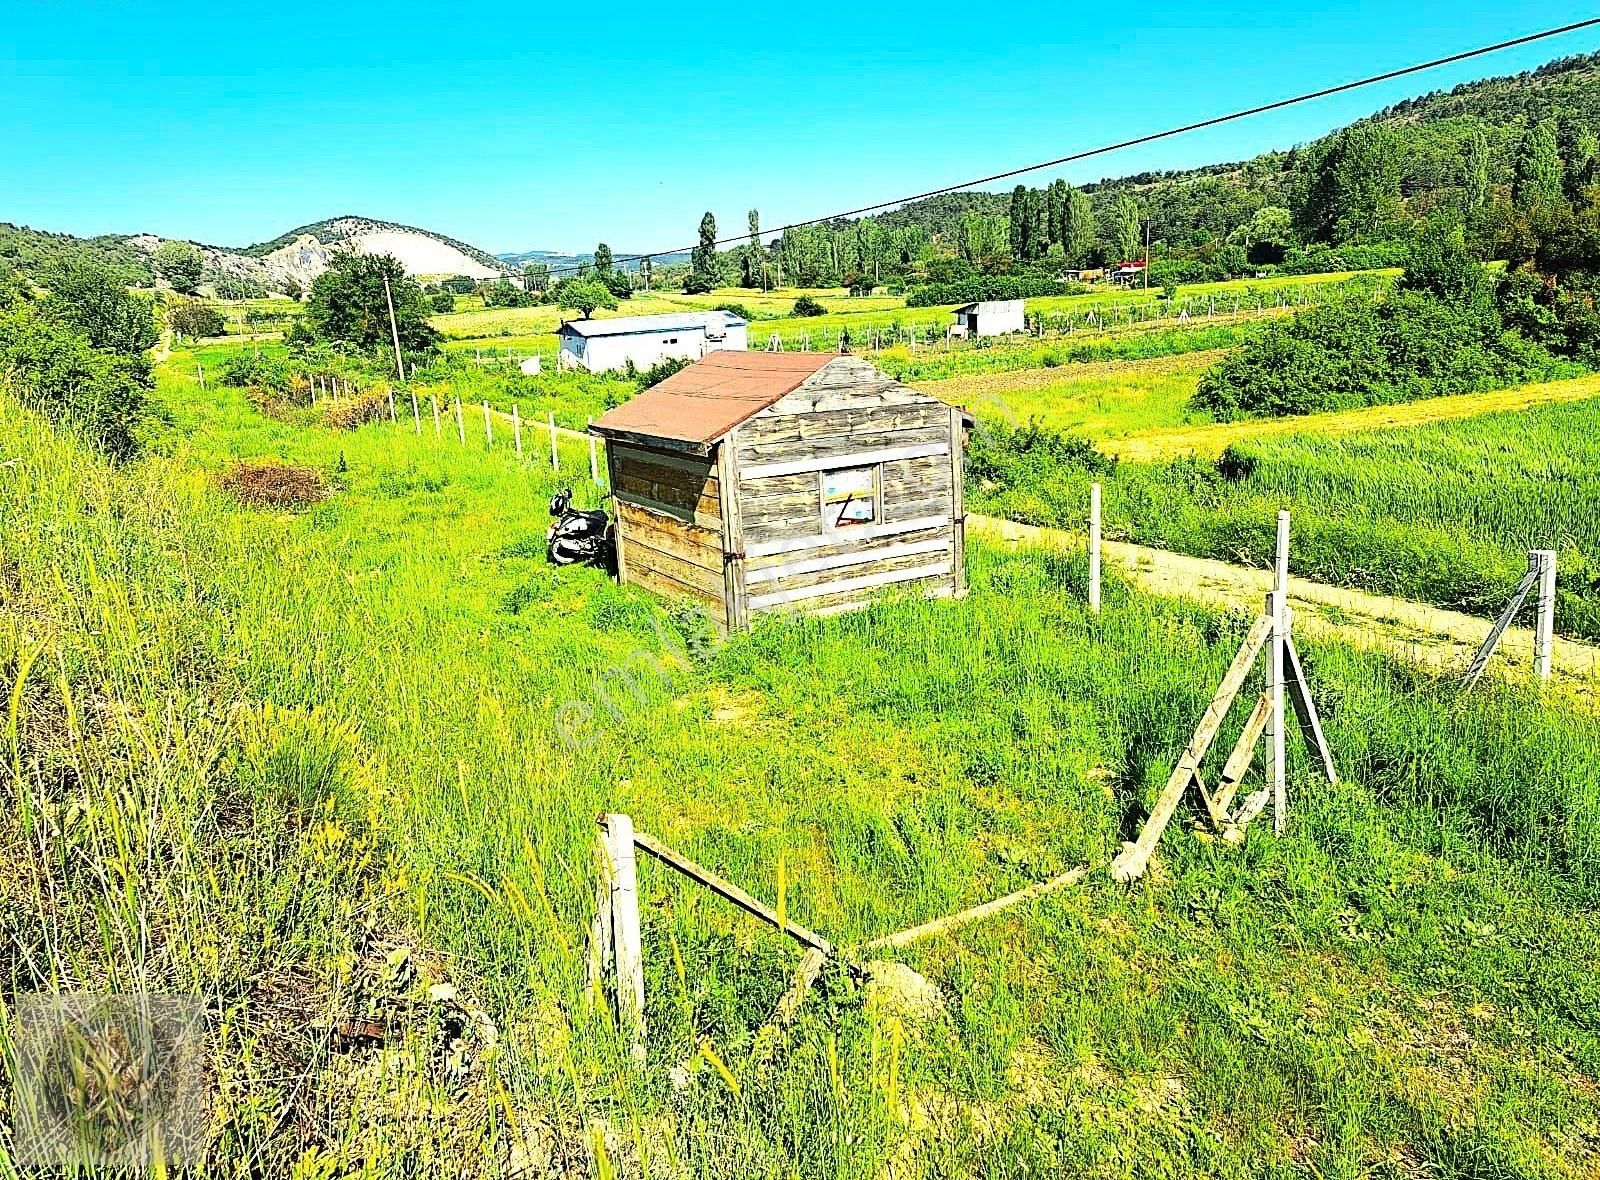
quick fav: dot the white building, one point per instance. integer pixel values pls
(599, 345)
(992, 317)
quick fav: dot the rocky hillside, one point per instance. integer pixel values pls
(287, 262)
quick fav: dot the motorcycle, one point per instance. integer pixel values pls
(579, 537)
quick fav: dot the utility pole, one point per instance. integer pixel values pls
(394, 331)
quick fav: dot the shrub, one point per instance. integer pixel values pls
(191, 317)
(807, 306)
(981, 287)
(460, 284)
(661, 370)
(737, 309)
(55, 369)
(351, 412)
(506, 294)
(274, 485)
(442, 302)
(247, 370)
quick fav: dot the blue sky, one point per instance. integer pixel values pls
(521, 126)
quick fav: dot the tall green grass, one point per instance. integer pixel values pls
(1442, 513)
(1406, 976)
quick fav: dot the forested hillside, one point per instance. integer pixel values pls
(1344, 201)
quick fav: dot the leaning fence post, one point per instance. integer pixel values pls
(555, 455)
(1094, 548)
(416, 412)
(435, 402)
(393, 417)
(1544, 626)
(201, 370)
(594, 454)
(488, 429)
(625, 931)
(461, 425)
(516, 428)
(1278, 608)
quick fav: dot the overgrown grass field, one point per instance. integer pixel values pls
(292, 736)
(1441, 512)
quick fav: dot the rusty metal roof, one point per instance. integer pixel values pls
(700, 404)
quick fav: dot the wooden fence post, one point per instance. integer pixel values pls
(516, 428)
(1278, 609)
(1094, 548)
(416, 412)
(435, 401)
(461, 425)
(393, 417)
(555, 455)
(594, 454)
(625, 935)
(201, 370)
(488, 428)
(1545, 622)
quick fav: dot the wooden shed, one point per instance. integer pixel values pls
(761, 481)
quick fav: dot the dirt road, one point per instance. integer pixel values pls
(1426, 635)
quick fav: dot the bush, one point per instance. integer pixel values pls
(251, 370)
(737, 309)
(56, 370)
(661, 370)
(351, 412)
(442, 302)
(274, 485)
(192, 318)
(807, 306)
(1441, 332)
(460, 284)
(506, 294)
(981, 287)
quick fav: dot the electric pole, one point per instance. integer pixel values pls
(394, 330)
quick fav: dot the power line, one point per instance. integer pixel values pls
(1137, 141)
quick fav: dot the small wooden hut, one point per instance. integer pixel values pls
(760, 481)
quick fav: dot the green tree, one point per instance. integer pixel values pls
(1055, 212)
(584, 296)
(753, 270)
(1538, 179)
(348, 305)
(1123, 227)
(703, 272)
(181, 265)
(1038, 224)
(192, 318)
(93, 300)
(1476, 167)
(1078, 229)
(1346, 187)
(1019, 222)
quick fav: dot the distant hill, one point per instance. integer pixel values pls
(291, 260)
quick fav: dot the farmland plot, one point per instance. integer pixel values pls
(1404, 977)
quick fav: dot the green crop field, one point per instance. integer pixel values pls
(317, 762)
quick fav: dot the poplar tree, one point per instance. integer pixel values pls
(703, 274)
(1077, 228)
(1539, 173)
(1019, 221)
(1477, 169)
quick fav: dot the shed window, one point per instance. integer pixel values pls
(850, 497)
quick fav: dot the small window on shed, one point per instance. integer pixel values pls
(850, 497)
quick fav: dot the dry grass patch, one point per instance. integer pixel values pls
(274, 485)
(348, 413)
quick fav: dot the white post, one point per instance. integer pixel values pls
(393, 417)
(555, 455)
(625, 931)
(488, 429)
(1094, 548)
(1278, 608)
(416, 412)
(1544, 627)
(594, 454)
(461, 425)
(201, 370)
(516, 428)
(435, 401)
